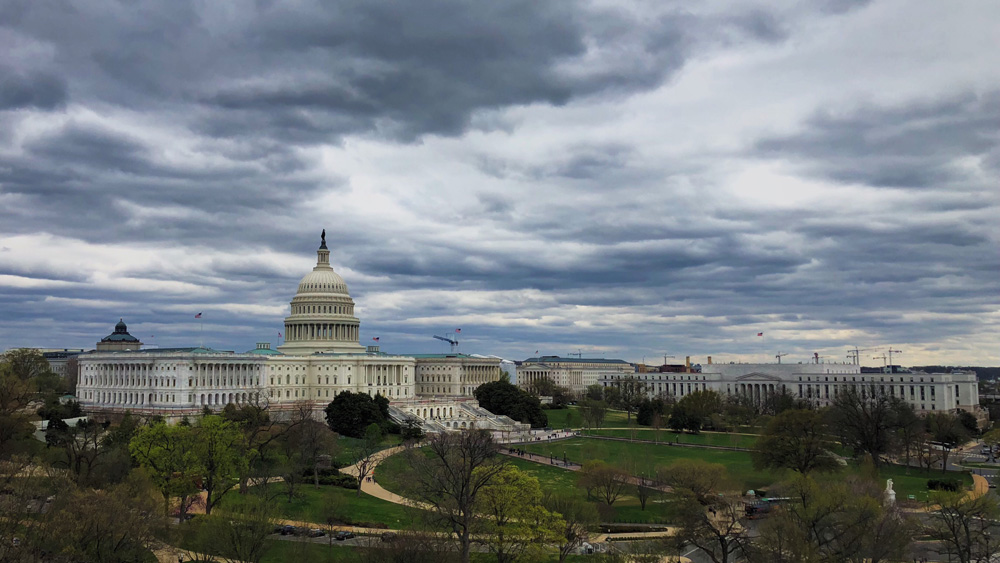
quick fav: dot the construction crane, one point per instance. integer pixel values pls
(578, 354)
(891, 352)
(779, 355)
(665, 356)
(452, 341)
(816, 357)
(855, 354)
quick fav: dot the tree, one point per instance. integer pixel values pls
(86, 451)
(242, 534)
(350, 414)
(577, 515)
(594, 392)
(514, 523)
(868, 419)
(366, 453)
(947, 431)
(909, 430)
(694, 410)
(718, 529)
(631, 391)
(117, 525)
(796, 440)
(649, 409)
(967, 527)
(608, 481)
(15, 394)
(502, 398)
(313, 439)
(411, 432)
(844, 520)
(217, 454)
(450, 477)
(167, 453)
(969, 422)
(593, 412)
(261, 435)
(707, 519)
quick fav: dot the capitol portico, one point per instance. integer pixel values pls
(320, 358)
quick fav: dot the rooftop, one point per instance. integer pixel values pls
(553, 359)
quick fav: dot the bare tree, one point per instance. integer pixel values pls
(867, 418)
(577, 514)
(450, 477)
(608, 481)
(366, 453)
(313, 439)
(967, 527)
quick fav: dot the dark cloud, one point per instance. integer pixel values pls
(897, 147)
(217, 140)
(34, 90)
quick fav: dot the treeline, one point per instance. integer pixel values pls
(981, 372)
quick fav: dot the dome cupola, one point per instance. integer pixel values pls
(322, 316)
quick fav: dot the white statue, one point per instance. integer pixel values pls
(889, 493)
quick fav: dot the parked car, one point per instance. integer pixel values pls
(388, 536)
(316, 533)
(343, 535)
(288, 530)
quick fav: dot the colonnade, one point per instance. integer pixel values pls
(321, 331)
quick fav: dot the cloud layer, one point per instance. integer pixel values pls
(629, 179)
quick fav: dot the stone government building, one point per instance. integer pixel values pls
(320, 358)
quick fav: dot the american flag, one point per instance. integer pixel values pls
(375, 338)
(198, 316)
(279, 335)
(760, 334)
(458, 330)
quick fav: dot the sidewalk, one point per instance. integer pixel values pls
(374, 489)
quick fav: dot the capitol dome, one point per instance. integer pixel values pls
(322, 313)
(323, 281)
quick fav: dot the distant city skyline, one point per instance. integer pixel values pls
(626, 180)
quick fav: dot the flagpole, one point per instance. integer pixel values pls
(201, 332)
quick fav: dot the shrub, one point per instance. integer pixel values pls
(944, 485)
(339, 480)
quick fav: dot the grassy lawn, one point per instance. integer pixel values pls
(392, 472)
(282, 551)
(667, 436)
(561, 418)
(347, 444)
(313, 505)
(647, 457)
(915, 483)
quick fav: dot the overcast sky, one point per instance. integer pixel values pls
(626, 179)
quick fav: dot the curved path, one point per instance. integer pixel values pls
(374, 489)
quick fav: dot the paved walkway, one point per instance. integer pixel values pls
(374, 489)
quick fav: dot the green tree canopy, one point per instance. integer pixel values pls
(350, 414)
(500, 397)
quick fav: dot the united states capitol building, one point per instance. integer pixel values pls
(320, 358)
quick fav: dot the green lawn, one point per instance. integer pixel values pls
(345, 456)
(648, 457)
(562, 418)
(312, 505)
(283, 551)
(392, 472)
(915, 483)
(666, 436)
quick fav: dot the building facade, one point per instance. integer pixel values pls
(576, 374)
(320, 358)
(819, 383)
